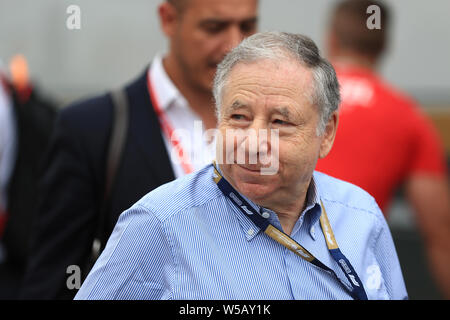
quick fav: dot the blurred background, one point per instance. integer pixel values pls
(117, 39)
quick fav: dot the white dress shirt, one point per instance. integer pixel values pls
(7, 144)
(185, 122)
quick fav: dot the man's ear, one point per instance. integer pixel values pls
(329, 135)
(168, 18)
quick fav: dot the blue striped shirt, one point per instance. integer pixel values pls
(186, 240)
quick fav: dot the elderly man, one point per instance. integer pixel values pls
(236, 231)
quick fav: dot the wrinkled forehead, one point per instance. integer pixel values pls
(269, 77)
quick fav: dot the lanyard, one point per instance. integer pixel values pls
(168, 129)
(356, 290)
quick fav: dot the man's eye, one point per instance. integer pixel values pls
(213, 28)
(248, 26)
(280, 122)
(237, 117)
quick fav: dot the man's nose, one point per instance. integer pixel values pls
(234, 36)
(258, 139)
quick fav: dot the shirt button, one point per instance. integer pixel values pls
(250, 232)
(313, 232)
(265, 214)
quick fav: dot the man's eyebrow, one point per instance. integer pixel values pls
(225, 21)
(236, 105)
(250, 20)
(208, 21)
(284, 111)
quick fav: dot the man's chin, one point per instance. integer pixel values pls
(250, 182)
(254, 173)
(255, 191)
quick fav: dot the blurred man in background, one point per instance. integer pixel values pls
(26, 120)
(384, 140)
(171, 94)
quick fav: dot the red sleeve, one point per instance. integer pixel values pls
(428, 152)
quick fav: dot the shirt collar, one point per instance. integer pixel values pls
(310, 214)
(313, 208)
(167, 94)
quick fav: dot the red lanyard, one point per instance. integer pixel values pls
(168, 129)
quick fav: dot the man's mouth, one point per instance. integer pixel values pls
(250, 168)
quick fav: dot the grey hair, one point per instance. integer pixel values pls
(282, 45)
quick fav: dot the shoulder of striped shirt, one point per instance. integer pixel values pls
(333, 190)
(177, 196)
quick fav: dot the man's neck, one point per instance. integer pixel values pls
(288, 210)
(199, 100)
(287, 207)
(289, 218)
(350, 60)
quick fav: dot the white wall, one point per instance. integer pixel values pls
(118, 38)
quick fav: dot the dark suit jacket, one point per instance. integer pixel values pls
(34, 117)
(73, 185)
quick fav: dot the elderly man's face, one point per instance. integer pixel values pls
(271, 95)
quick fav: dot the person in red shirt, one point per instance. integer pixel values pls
(384, 140)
